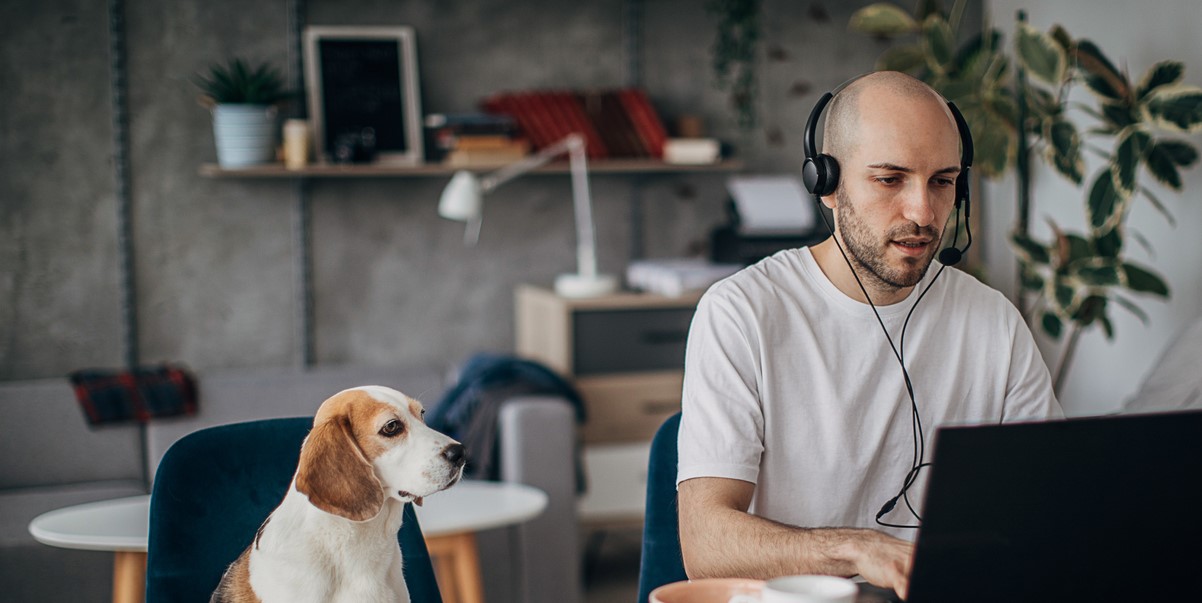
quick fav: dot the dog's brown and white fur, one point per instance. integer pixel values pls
(334, 537)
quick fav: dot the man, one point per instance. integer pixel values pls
(797, 424)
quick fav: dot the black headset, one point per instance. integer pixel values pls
(820, 173)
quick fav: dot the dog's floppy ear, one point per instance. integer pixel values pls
(335, 475)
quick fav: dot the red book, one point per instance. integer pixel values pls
(535, 116)
(573, 107)
(611, 104)
(507, 104)
(557, 119)
(650, 128)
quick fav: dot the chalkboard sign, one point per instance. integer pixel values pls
(363, 96)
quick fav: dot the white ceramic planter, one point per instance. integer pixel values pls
(245, 134)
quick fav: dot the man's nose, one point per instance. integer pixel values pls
(918, 205)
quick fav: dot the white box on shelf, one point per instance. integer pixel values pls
(691, 151)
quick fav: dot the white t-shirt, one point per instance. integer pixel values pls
(790, 385)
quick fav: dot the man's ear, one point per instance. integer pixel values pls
(335, 475)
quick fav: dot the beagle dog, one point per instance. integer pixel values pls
(334, 537)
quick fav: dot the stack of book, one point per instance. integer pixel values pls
(473, 139)
(618, 123)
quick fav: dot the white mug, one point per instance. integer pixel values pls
(810, 589)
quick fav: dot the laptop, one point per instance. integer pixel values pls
(1097, 509)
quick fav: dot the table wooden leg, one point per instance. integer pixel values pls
(129, 577)
(457, 562)
(467, 569)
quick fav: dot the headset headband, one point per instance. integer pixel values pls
(811, 149)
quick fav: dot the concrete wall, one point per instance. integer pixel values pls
(215, 263)
(1105, 373)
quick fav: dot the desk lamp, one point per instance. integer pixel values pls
(462, 200)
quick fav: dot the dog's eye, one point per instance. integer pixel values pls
(392, 428)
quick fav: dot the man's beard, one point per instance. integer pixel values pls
(870, 255)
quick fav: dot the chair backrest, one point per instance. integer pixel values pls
(661, 562)
(212, 491)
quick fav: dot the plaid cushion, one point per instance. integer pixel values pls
(140, 394)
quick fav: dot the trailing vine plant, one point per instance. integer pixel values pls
(735, 54)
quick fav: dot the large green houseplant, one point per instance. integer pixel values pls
(1075, 277)
(243, 101)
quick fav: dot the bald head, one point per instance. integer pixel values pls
(879, 94)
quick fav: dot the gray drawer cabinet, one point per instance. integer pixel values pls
(624, 352)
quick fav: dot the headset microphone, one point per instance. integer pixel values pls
(951, 255)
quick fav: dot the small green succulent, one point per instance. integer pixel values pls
(238, 82)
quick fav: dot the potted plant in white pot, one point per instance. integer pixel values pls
(243, 101)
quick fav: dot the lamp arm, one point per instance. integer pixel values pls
(495, 179)
(573, 144)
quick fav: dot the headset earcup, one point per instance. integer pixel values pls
(831, 181)
(820, 175)
(810, 176)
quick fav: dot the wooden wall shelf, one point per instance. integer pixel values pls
(613, 166)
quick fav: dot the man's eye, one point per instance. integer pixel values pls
(888, 180)
(392, 428)
(945, 182)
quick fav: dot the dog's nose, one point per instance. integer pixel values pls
(454, 454)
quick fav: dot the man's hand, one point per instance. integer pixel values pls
(884, 561)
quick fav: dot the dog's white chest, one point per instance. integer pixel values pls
(328, 560)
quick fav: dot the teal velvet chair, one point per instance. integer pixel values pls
(212, 491)
(661, 562)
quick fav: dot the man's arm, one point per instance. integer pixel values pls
(718, 538)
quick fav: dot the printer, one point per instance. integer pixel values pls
(765, 214)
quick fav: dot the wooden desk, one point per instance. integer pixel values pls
(449, 523)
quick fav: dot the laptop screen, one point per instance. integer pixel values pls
(1085, 509)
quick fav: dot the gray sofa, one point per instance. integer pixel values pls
(52, 459)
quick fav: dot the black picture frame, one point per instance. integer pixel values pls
(358, 78)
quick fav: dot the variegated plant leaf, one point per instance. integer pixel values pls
(1143, 280)
(1164, 73)
(1098, 272)
(1102, 77)
(938, 42)
(1103, 207)
(1165, 156)
(1163, 165)
(1064, 149)
(1029, 250)
(975, 56)
(1030, 278)
(1128, 154)
(1177, 107)
(1109, 244)
(1040, 54)
(883, 19)
(993, 135)
(905, 57)
(1052, 325)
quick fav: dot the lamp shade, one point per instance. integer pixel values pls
(461, 199)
